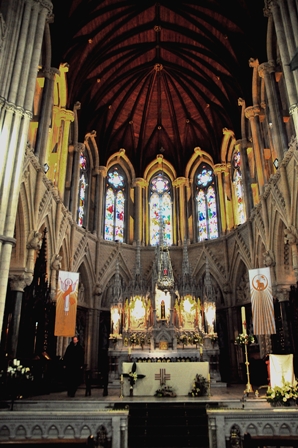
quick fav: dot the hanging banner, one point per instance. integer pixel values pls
(261, 301)
(66, 304)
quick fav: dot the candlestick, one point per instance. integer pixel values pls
(243, 320)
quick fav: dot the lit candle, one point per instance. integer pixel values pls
(243, 320)
(121, 378)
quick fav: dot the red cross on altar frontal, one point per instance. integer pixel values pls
(162, 376)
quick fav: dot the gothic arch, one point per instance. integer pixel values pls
(121, 159)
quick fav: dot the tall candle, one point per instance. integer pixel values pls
(201, 350)
(243, 320)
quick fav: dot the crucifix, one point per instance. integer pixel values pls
(162, 376)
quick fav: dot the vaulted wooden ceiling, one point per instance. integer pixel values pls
(158, 77)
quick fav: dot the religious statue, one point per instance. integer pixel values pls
(162, 310)
(35, 240)
(56, 262)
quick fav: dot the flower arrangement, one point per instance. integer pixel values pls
(197, 339)
(165, 391)
(244, 339)
(16, 378)
(213, 338)
(183, 339)
(200, 386)
(133, 376)
(16, 370)
(282, 395)
(133, 338)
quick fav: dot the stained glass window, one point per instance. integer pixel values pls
(207, 219)
(82, 190)
(238, 189)
(161, 211)
(115, 206)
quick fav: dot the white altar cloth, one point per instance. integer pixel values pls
(182, 375)
(281, 370)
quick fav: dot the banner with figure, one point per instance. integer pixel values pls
(66, 303)
(261, 301)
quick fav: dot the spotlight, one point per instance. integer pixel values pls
(46, 168)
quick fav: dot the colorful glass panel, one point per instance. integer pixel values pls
(207, 219)
(202, 216)
(109, 221)
(115, 206)
(212, 213)
(238, 189)
(115, 179)
(119, 223)
(160, 211)
(82, 190)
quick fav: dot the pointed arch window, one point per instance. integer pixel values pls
(239, 205)
(115, 205)
(83, 190)
(206, 205)
(161, 214)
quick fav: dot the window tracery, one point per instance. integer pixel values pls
(238, 189)
(160, 206)
(82, 190)
(115, 206)
(206, 205)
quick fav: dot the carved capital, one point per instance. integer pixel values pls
(140, 182)
(19, 282)
(266, 68)
(252, 112)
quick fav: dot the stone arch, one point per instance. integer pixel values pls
(284, 430)
(268, 430)
(53, 432)
(4, 432)
(36, 432)
(252, 429)
(69, 432)
(20, 432)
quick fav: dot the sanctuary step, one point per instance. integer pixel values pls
(167, 425)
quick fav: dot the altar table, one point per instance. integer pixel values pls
(178, 375)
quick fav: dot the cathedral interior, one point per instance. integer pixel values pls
(150, 147)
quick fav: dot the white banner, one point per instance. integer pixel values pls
(66, 303)
(261, 301)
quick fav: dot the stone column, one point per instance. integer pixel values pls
(139, 184)
(101, 173)
(45, 114)
(219, 171)
(273, 7)
(288, 31)
(17, 284)
(181, 184)
(282, 294)
(116, 438)
(266, 70)
(65, 116)
(15, 115)
(124, 433)
(252, 113)
(291, 238)
(78, 147)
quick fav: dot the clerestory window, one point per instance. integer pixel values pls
(160, 209)
(115, 205)
(206, 205)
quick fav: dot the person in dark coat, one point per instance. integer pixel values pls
(73, 362)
